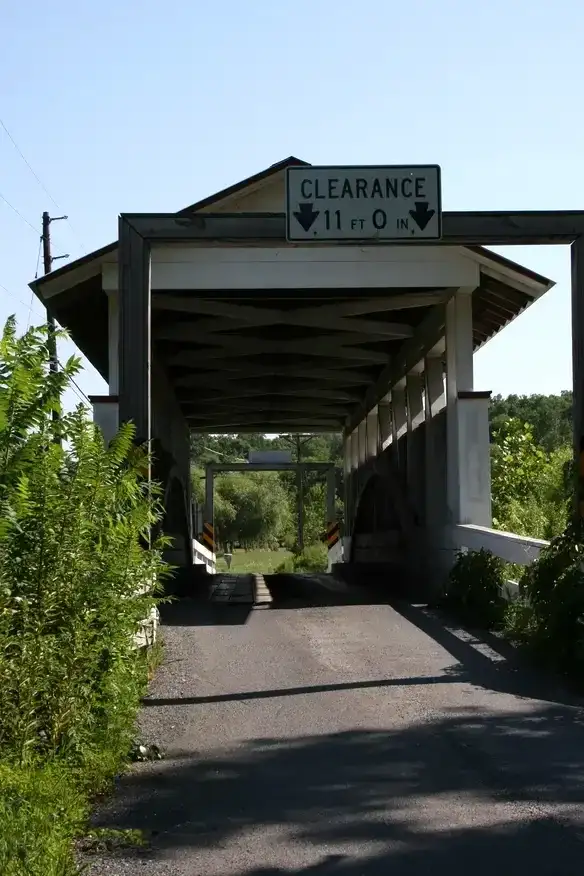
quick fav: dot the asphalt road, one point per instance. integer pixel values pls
(349, 740)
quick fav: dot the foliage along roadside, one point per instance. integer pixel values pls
(532, 495)
(546, 618)
(74, 517)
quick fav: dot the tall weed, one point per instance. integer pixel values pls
(75, 581)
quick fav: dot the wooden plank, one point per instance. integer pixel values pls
(267, 428)
(192, 333)
(280, 389)
(240, 316)
(276, 422)
(233, 373)
(209, 410)
(462, 228)
(216, 467)
(134, 337)
(318, 347)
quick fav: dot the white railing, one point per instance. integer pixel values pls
(148, 628)
(510, 547)
(204, 557)
(336, 554)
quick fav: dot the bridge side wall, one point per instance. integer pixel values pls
(432, 454)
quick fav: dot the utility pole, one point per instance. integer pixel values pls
(48, 260)
(299, 443)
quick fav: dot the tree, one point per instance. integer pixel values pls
(251, 508)
(529, 487)
(550, 416)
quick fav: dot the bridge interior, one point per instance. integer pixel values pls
(265, 336)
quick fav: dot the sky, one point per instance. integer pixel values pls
(146, 106)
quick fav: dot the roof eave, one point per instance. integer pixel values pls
(97, 256)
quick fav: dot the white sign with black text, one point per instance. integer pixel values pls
(363, 203)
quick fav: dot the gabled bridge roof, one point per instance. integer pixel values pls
(289, 352)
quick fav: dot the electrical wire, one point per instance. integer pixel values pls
(18, 213)
(81, 395)
(16, 298)
(40, 182)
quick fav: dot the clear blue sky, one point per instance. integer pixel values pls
(144, 106)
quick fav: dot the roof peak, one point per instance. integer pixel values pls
(262, 175)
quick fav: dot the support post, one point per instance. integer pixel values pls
(372, 434)
(331, 489)
(354, 450)
(347, 454)
(347, 470)
(398, 423)
(113, 341)
(414, 461)
(134, 331)
(384, 414)
(208, 534)
(362, 437)
(435, 400)
(459, 378)
(300, 497)
(577, 264)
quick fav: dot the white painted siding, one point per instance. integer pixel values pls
(291, 267)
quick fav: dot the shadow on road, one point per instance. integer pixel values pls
(200, 613)
(447, 678)
(389, 793)
(486, 660)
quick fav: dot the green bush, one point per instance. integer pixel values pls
(474, 589)
(41, 808)
(550, 615)
(75, 581)
(314, 558)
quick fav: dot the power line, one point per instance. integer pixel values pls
(81, 395)
(39, 181)
(18, 213)
(12, 295)
(18, 149)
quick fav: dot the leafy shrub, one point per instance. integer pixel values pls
(551, 620)
(314, 558)
(75, 582)
(474, 588)
(40, 809)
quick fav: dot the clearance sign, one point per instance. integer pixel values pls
(363, 203)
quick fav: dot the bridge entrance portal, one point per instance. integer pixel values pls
(214, 320)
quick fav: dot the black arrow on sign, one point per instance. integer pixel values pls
(421, 215)
(306, 216)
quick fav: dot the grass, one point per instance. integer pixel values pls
(258, 561)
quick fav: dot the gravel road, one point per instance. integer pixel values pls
(348, 740)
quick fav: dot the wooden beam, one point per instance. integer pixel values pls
(191, 333)
(280, 388)
(208, 408)
(323, 467)
(319, 347)
(241, 315)
(232, 374)
(461, 228)
(243, 428)
(263, 424)
(134, 336)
